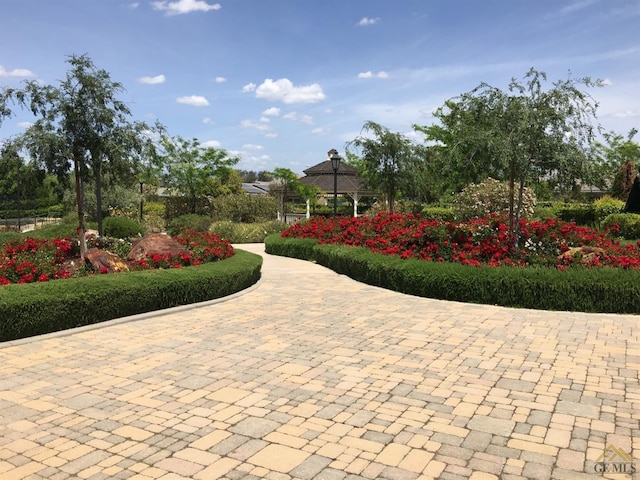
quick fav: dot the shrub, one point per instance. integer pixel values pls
(34, 309)
(243, 208)
(606, 206)
(582, 289)
(190, 221)
(121, 227)
(625, 225)
(153, 214)
(579, 213)
(247, 232)
(446, 214)
(491, 196)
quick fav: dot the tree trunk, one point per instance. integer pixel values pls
(98, 179)
(512, 179)
(516, 232)
(80, 204)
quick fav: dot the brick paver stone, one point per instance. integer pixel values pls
(310, 375)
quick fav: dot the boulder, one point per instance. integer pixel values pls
(586, 253)
(158, 243)
(99, 259)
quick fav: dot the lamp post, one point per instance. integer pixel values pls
(335, 164)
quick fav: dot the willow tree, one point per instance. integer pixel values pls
(520, 134)
(383, 156)
(81, 125)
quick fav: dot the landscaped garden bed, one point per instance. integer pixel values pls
(556, 265)
(32, 304)
(30, 260)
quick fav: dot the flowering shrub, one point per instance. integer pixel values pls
(482, 241)
(491, 196)
(39, 260)
(202, 247)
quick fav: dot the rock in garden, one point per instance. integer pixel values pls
(100, 259)
(585, 253)
(154, 243)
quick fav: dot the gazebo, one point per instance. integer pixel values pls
(348, 182)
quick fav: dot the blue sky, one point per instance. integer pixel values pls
(281, 82)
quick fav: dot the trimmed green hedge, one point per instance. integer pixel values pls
(629, 224)
(37, 308)
(578, 289)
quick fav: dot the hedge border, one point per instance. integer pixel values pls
(39, 308)
(595, 290)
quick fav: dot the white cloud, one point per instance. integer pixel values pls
(304, 118)
(249, 87)
(184, 6)
(370, 74)
(16, 72)
(626, 114)
(211, 144)
(365, 22)
(321, 131)
(152, 80)
(134, 5)
(207, 121)
(265, 119)
(195, 100)
(607, 81)
(271, 135)
(25, 125)
(272, 112)
(220, 79)
(283, 90)
(261, 127)
(251, 146)
(575, 6)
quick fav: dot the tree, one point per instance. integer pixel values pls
(197, 172)
(521, 134)
(83, 126)
(614, 165)
(383, 157)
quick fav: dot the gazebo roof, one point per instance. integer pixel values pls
(325, 168)
(346, 183)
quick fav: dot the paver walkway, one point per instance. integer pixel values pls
(311, 375)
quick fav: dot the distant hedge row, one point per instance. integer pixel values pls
(577, 289)
(38, 308)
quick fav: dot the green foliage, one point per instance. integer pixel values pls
(385, 158)
(190, 221)
(302, 248)
(579, 213)
(526, 132)
(605, 206)
(38, 308)
(628, 225)
(247, 232)
(623, 180)
(243, 208)
(581, 289)
(153, 215)
(490, 196)
(195, 172)
(445, 214)
(122, 227)
(615, 162)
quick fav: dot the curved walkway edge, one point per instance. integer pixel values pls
(311, 375)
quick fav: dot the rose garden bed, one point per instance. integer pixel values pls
(557, 265)
(32, 304)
